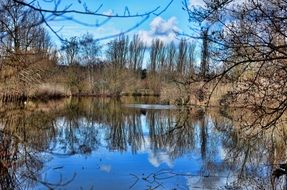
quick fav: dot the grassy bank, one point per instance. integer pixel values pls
(168, 93)
(106, 81)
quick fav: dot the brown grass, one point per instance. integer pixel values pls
(49, 90)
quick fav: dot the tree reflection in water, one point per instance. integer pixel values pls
(228, 156)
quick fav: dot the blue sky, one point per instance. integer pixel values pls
(163, 26)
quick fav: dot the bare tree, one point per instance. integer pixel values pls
(156, 55)
(171, 57)
(182, 56)
(191, 59)
(117, 51)
(89, 50)
(251, 41)
(71, 49)
(136, 53)
(204, 67)
(20, 28)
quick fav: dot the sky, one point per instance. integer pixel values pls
(161, 26)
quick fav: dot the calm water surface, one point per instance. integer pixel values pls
(130, 144)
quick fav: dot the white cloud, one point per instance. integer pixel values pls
(106, 168)
(202, 3)
(165, 30)
(108, 12)
(196, 3)
(156, 159)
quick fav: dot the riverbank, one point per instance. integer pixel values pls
(198, 94)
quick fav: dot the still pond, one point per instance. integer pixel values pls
(133, 144)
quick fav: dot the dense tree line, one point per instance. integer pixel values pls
(132, 54)
(114, 59)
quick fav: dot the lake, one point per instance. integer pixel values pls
(135, 144)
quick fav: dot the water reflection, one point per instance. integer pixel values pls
(107, 144)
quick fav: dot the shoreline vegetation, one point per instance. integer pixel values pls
(168, 95)
(47, 80)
